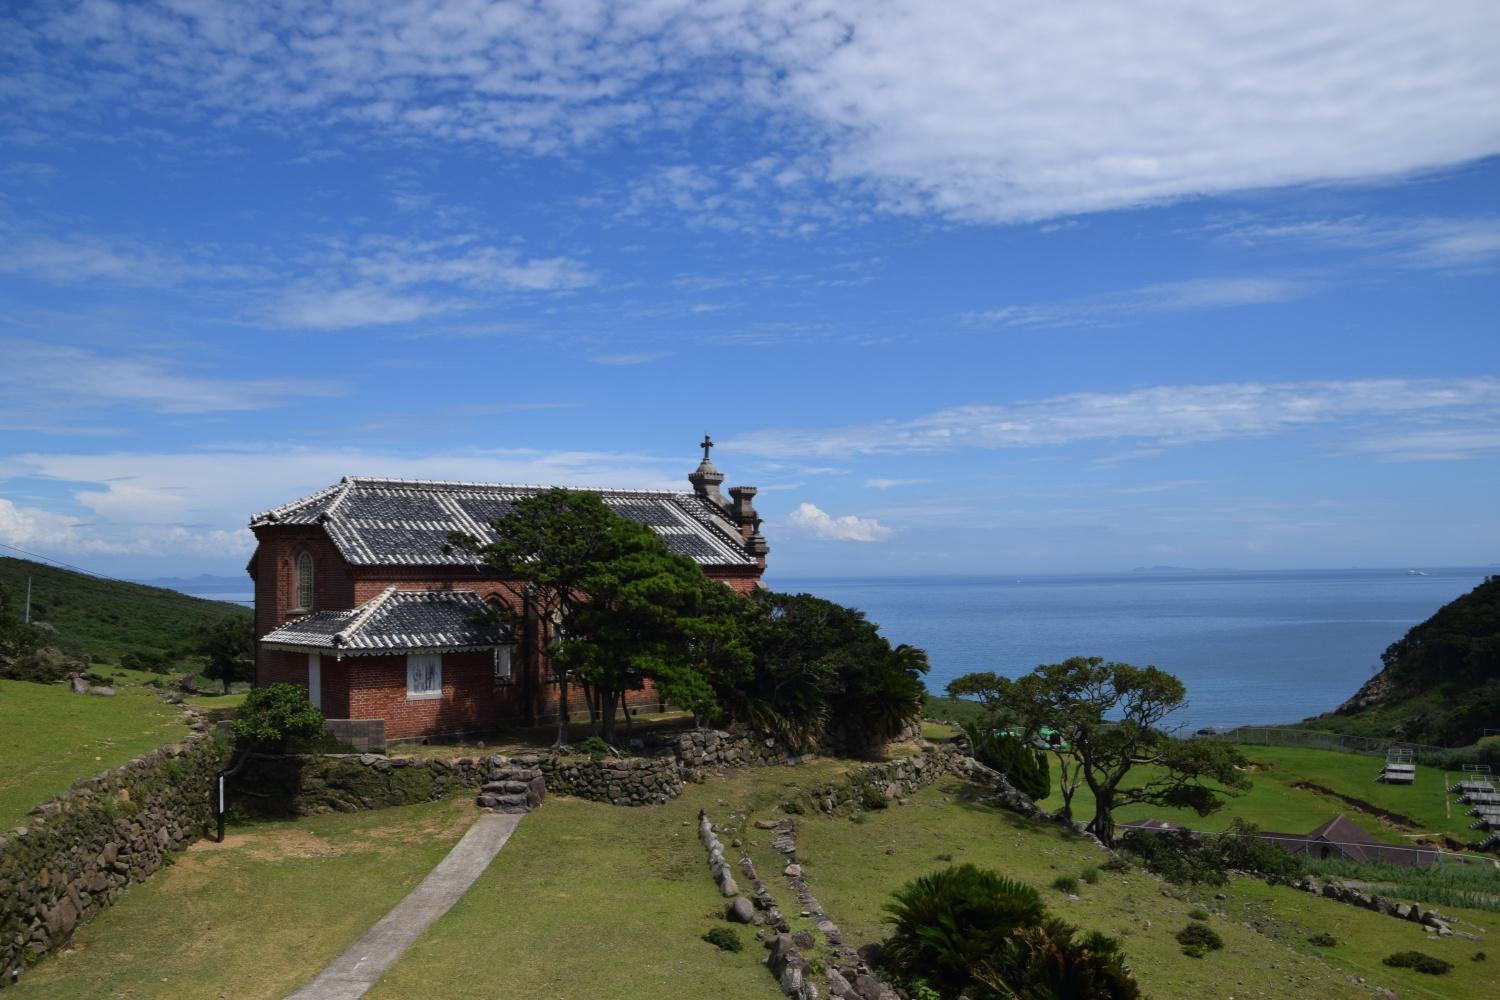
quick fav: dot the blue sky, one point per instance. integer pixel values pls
(973, 287)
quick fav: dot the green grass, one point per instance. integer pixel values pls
(590, 900)
(212, 702)
(104, 618)
(960, 710)
(50, 738)
(854, 868)
(1275, 803)
(258, 916)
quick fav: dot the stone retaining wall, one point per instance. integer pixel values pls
(78, 852)
(310, 784)
(893, 779)
(628, 781)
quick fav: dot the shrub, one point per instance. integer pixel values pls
(1183, 857)
(965, 930)
(1023, 765)
(1323, 939)
(792, 806)
(1419, 961)
(1090, 875)
(1065, 883)
(1198, 913)
(1199, 937)
(151, 661)
(272, 717)
(594, 747)
(871, 797)
(724, 939)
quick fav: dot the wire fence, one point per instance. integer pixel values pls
(1319, 740)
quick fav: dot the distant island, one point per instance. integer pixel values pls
(204, 583)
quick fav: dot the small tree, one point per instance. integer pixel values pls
(546, 549)
(228, 644)
(272, 717)
(1107, 717)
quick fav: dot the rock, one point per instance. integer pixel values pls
(740, 911)
(804, 939)
(870, 954)
(792, 871)
(867, 986)
(77, 684)
(727, 885)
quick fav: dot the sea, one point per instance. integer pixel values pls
(1253, 648)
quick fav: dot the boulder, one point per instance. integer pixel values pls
(740, 910)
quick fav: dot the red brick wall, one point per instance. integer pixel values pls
(275, 564)
(471, 700)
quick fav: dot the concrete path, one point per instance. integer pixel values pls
(356, 970)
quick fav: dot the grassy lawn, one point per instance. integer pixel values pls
(854, 867)
(589, 900)
(211, 702)
(259, 915)
(1275, 803)
(1364, 938)
(50, 738)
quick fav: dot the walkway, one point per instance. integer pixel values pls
(356, 970)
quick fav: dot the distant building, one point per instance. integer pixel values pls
(360, 599)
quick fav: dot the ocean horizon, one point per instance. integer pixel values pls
(1253, 647)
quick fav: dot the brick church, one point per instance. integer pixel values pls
(359, 598)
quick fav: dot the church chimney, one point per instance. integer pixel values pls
(742, 509)
(706, 479)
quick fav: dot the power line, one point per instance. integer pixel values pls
(99, 576)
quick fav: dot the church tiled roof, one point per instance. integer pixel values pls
(405, 522)
(395, 620)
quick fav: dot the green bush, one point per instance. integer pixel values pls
(1023, 765)
(272, 717)
(1199, 939)
(871, 797)
(793, 807)
(1419, 961)
(724, 939)
(594, 747)
(151, 661)
(965, 930)
(1090, 875)
(1198, 913)
(1183, 857)
(1323, 939)
(1065, 883)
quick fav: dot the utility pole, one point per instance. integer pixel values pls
(28, 598)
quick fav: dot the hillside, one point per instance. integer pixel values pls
(102, 619)
(1440, 682)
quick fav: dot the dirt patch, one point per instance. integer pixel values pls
(1386, 816)
(293, 843)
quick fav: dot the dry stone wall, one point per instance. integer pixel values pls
(76, 853)
(310, 784)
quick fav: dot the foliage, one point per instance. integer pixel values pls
(1199, 939)
(103, 619)
(18, 640)
(819, 667)
(1108, 715)
(1181, 857)
(792, 807)
(1198, 913)
(1090, 875)
(273, 716)
(871, 797)
(967, 930)
(1419, 961)
(1024, 765)
(1323, 939)
(724, 939)
(150, 661)
(1458, 648)
(594, 747)
(228, 644)
(1065, 883)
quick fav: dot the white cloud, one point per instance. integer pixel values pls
(976, 110)
(37, 377)
(346, 308)
(848, 528)
(1422, 242)
(886, 484)
(641, 358)
(184, 503)
(1192, 295)
(1161, 414)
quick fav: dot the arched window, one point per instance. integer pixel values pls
(305, 582)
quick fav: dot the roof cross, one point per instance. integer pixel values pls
(708, 443)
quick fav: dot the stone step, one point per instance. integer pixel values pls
(503, 802)
(506, 787)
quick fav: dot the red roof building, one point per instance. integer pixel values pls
(360, 599)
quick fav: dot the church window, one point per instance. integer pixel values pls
(305, 582)
(424, 676)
